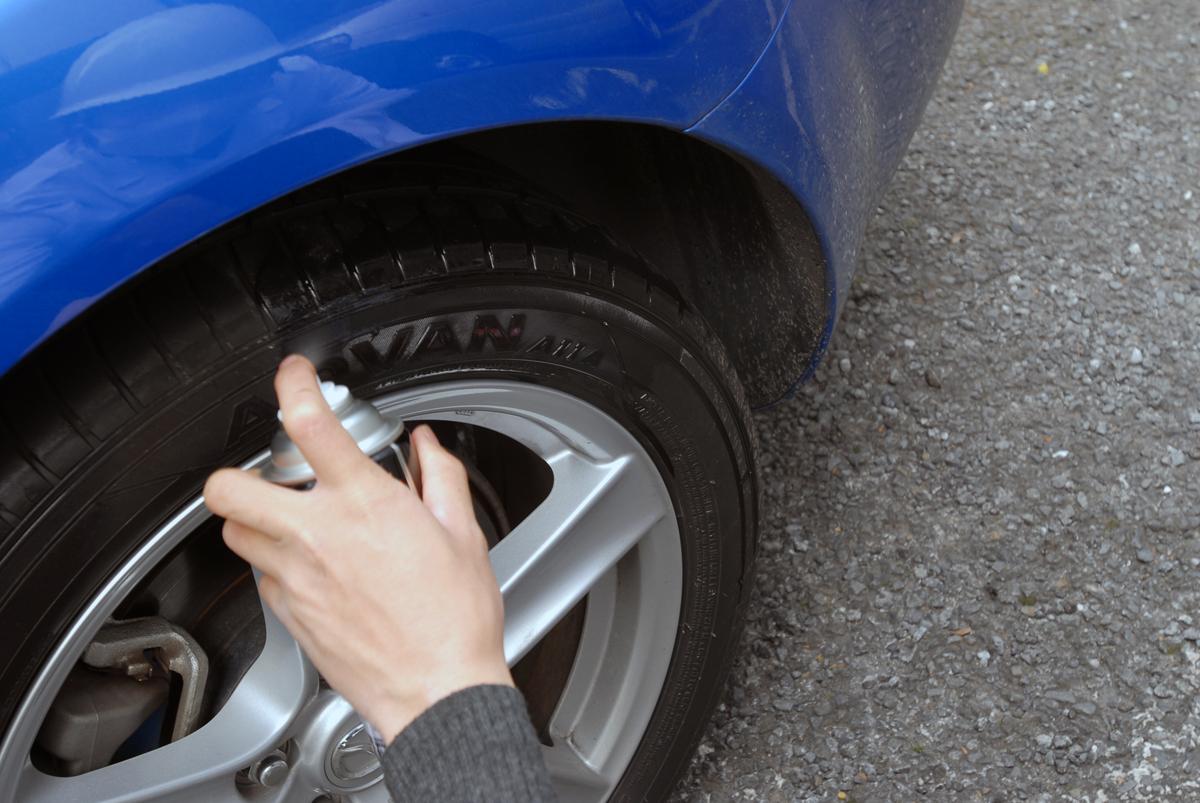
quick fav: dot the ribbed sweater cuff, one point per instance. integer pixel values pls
(475, 745)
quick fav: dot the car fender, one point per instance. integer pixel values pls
(130, 128)
(829, 110)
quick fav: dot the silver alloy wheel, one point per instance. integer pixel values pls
(606, 530)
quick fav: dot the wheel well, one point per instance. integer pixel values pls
(728, 234)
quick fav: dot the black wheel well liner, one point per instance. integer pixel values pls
(732, 238)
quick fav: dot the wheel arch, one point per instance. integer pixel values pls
(140, 126)
(734, 240)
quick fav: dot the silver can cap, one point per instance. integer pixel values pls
(371, 430)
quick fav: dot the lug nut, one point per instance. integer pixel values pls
(270, 771)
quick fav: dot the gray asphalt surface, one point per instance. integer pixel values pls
(979, 573)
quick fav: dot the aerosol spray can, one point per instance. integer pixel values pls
(384, 438)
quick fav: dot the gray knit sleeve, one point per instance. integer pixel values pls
(475, 745)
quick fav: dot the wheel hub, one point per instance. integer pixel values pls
(353, 760)
(334, 752)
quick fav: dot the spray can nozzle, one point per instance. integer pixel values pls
(382, 437)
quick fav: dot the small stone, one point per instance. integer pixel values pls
(1191, 634)
(1162, 691)
(1135, 356)
(1062, 741)
(844, 365)
(1145, 555)
(783, 704)
(1085, 707)
(932, 379)
(1044, 740)
(1061, 696)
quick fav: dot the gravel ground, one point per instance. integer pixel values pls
(981, 545)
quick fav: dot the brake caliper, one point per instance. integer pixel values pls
(96, 711)
(139, 647)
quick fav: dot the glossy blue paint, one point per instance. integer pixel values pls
(830, 109)
(130, 127)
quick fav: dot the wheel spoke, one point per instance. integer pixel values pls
(595, 513)
(201, 766)
(586, 674)
(577, 768)
(376, 793)
(574, 775)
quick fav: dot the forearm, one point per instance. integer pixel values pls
(474, 745)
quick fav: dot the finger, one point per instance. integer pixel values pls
(444, 486)
(312, 426)
(255, 547)
(251, 500)
(270, 591)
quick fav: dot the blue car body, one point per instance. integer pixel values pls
(129, 128)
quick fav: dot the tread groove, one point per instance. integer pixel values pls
(111, 372)
(190, 284)
(303, 280)
(60, 404)
(514, 209)
(251, 289)
(348, 265)
(374, 216)
(25, 454)
(9, 518)
(177, 369)
(439, 245)
(484, 237)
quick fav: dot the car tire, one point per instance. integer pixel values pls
(113, 424)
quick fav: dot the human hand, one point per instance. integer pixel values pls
(391, 595)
